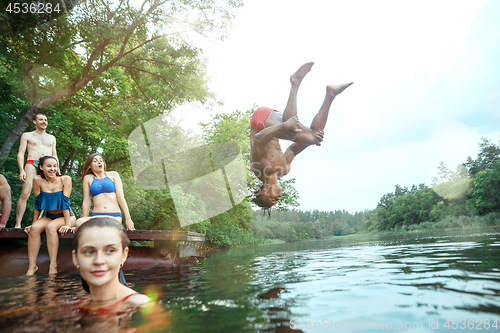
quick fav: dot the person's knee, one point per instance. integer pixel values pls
(51, 228)
(37, 229)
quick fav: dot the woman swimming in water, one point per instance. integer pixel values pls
(52, 193)
(105, 189)
(100, 248)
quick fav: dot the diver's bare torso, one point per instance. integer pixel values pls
(267, 160)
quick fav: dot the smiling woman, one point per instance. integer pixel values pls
(52, 193)
(100, 248)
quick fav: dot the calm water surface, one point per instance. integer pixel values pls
(411, 283)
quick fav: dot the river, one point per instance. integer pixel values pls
(426, 282)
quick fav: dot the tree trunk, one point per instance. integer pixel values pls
(16, 133)
(67, 161)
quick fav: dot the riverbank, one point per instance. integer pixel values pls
(449, 223)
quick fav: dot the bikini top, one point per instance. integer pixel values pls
(100, 311)
(102, 185)
(51, 201)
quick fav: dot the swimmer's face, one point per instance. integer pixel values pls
(98, 164)
(41, 122)
(99, 256)
(269, 195)
(49, 168)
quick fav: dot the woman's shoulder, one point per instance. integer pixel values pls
(113, 175)
(137, 299)
(66, 179)
(88, 177)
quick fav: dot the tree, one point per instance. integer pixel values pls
(112, 51)
(488, 154)
(485, 197)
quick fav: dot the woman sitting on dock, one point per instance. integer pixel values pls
(106, 190)
(100, 248)
(52, 193)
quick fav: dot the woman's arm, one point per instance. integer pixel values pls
(66, 180)
(67, 187)
(36, 192)
(36, 215)
(87, 201)
(121, 200)
(36, 186)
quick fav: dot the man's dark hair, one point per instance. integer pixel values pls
(38, 114)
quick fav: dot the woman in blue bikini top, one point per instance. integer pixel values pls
(105, 190)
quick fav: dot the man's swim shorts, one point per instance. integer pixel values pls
(259, 118)
(33, 163)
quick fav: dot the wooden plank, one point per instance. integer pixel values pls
(171, 235)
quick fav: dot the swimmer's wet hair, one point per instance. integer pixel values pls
(265, 209)
(102, 222)
(256, 200)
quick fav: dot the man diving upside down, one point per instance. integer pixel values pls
(268, 126)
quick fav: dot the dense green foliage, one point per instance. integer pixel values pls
(472, 189)
(98, 72)
(294, 225)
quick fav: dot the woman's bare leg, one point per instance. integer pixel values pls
(34, 232)
(53, 242)
(291, 106)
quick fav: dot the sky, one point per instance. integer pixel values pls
(426, 87)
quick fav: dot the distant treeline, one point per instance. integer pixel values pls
(471, 190)
(295, 224)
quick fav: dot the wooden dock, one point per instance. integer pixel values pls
(168, 248)
(138, 235)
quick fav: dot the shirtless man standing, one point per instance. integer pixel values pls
(268, 126)
(39, 144)
(6, 201)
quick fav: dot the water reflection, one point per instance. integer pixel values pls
(424, 279)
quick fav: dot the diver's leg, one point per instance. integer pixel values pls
(291, 106)
(319, 121)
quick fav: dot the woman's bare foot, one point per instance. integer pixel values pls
(32, 271)
(53, 270)
(334, 90)
(297, 77)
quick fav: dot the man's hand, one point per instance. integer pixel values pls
(22, 176)
(293, 124)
